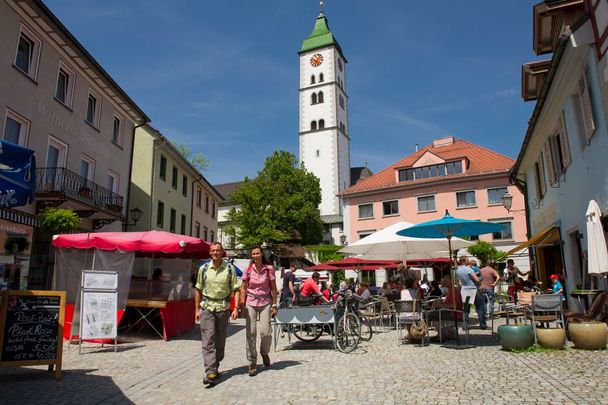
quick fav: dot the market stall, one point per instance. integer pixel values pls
(153, 268)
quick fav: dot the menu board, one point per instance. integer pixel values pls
(98, 315)
(31, 328)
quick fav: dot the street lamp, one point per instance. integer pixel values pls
(342, 238)
(135, 216)
(507, 202)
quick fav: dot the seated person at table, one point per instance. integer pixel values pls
(385, 289)
(435, 290)
(364, 294)
(453, 299)
(394, 285)
(325, 290)
(309, 288)
(410, 292)
(341, 289)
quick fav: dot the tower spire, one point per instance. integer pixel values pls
(321, 6)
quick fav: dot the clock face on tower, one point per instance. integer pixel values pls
(316, 60)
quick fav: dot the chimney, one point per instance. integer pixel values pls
(445, 141)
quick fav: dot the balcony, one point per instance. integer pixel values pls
(61, 185)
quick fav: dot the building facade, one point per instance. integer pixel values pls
(169, 193)
(450, 174)
(561, 164)
(56, 99)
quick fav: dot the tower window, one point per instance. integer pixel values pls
(320, 98)
(321, 124)
(341, 101)
(318, 152)
(313, 98)
(321, 80)
(312, 79)
(313, 125)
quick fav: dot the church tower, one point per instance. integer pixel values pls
(324, 140)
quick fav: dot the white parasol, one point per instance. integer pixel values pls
(597, 253)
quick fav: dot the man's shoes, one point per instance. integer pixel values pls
(483, 327)
(253, 369)
(266, 360)
(210, 379)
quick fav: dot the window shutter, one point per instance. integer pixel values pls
(543, 182)
(585, 100)
(563, 141)
(550, 167)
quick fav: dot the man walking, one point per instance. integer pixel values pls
(469, 282)
(215, 283)
(288, 292)
(489, 279)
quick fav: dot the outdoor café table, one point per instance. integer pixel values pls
(304, 315)
(177, 316)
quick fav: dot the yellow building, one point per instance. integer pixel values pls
(167, 192)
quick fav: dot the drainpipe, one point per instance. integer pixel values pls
(130, 173)
(192, 202)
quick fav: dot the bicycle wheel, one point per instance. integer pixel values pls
(366, 329)
(348, 333)
(307, 333)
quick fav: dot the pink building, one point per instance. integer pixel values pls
(453, 174)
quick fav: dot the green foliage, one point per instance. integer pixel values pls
(58, 220)
(280, 204)
(484, 251)
(325, 253)
(21, 243)
(197, 160)
(337, 276)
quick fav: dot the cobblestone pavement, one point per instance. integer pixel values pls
(379, 372)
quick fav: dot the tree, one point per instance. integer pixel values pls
(280, 204)
(58, 220)
(484, 251)
(197, 160)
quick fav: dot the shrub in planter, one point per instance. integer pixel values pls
(590, 335)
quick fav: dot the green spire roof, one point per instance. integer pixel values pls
(321, 36)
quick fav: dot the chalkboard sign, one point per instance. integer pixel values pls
(31, 328)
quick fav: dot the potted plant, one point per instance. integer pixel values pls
(516, 336)
(588, 335)
(85, 191)
(551, 338)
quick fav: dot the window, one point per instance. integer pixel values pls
(185, 185)
(313, 125)
(183, 225)
(321, 124)
(426, 172)
(426, 203)
(213, 209)
(197, 229)
(93, 109)
(557, 151)
(341, 101)
(465, 199)
(212, 237)
(112, 182)
(366, 211)
(313, 98)
(28, 52)
(506, 233)
(174, 178)
(87, 171)
(205, 233)
(16, 128)
(64, 91)
(390, 207)
(199, 195)
(206, 203)
(117, 130)
(321, 79)
(495, 195)
(364, 234)
(312, 79)
(539, 178)
(160, 214)
(162, 173)
(172, 218)
(320, 97)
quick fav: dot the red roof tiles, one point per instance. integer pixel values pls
(479, 160)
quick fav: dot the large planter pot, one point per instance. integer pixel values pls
(551, 338)
(589, 335)
(516, 336)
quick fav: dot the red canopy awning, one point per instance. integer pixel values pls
(154, 242)
(323, 267)
(355, 263)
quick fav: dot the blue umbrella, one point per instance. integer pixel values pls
(448, 227)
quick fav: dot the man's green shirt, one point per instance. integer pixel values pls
(216, 287)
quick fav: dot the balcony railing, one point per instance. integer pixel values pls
(63, 181)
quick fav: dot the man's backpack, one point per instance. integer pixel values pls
(205, 266)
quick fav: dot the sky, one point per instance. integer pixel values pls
(222, 76)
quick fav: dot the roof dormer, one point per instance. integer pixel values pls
(533, 76)
(551, 19)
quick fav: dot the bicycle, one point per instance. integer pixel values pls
(347, 322)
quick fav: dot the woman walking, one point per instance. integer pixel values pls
(259, 296)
